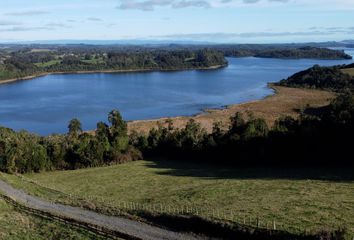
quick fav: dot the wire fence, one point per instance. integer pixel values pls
(176, 210)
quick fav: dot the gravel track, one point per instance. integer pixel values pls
(125, 226)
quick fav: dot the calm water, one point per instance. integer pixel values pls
(46, 104)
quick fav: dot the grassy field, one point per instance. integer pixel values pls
(286, 101)
(299, 200)
(47, 64)
(15, 226)
(94, 61)
(350, 71)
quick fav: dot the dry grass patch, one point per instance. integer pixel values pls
(286, 101)
(349, 71)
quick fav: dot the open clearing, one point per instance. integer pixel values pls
(298, 200)
(286, 101)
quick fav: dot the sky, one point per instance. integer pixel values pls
(223, 21)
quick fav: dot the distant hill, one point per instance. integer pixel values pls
(330, 78)
(304, 52)
(343, 43)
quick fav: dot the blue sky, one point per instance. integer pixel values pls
(238, 21)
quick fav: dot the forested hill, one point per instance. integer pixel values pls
(330, 78)
(285, 53)
(19, 61)
(27, 62)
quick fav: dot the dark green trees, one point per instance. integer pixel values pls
(311, 140)
(75, 128)
(330, 78)
(23, 152)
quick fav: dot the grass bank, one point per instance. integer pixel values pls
(297, 200)
(16, 225)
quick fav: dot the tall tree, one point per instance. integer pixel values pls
(119, 126)
(75, 127)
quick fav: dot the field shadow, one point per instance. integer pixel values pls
(207, 171)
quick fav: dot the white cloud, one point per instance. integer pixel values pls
(9, 23)
(27, 13)
(150, 5)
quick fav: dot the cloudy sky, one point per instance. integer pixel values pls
(239, 21)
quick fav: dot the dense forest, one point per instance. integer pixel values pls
(27, 62)
(330, 78)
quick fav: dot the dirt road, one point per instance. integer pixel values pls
(134, 229)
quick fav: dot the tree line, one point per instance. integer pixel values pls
(22, 152)
(321, 139)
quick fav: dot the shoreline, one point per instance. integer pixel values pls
(284, 101)
(31, 77)
(207, 111)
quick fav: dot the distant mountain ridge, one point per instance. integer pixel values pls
(344, 43)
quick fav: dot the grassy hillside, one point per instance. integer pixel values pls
(16, 226)
(298, 200)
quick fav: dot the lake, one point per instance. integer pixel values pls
(46, 104)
